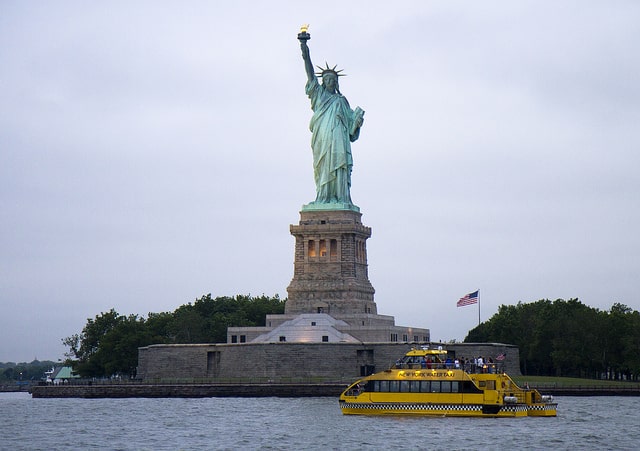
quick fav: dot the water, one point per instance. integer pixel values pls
(299, 423)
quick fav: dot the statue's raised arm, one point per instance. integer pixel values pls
(334, 126)
(303, 36)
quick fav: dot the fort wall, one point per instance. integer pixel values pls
(253, 363)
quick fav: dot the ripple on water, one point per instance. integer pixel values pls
(299, 423)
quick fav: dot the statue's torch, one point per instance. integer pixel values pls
(304, 35)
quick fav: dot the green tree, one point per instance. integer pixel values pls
(620, 325)
(119, 349)
(567, 338)
(86, 346)
(631, 345)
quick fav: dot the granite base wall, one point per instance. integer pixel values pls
(290, 362)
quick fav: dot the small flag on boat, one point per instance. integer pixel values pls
(468, 299)
(501, 356)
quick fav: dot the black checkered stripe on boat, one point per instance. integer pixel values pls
(408, 406)
(436, 407)
(543, 407)
(517, 408)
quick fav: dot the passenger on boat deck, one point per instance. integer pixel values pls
(423, 362)
(456, 363)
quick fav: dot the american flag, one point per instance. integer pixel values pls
(468, 299)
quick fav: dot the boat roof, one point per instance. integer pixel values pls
(426, 351)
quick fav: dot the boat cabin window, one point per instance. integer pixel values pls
(412, 386)
(469, 387)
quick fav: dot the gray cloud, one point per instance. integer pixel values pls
(153, 153)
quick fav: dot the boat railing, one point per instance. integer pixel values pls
(469, 367)
(490, 368)
(422, 366)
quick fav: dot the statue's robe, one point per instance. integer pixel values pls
(333, 129)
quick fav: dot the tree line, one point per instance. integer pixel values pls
(108, 344)
(555, 338)
(32, 371)
(568, 338)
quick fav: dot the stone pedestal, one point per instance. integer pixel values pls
(330, 267)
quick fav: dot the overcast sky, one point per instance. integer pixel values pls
(152, 152)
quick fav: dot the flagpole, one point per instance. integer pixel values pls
(478, 307)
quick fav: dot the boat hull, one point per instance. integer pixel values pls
(447, 410)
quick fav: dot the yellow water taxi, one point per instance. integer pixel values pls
(432, 382)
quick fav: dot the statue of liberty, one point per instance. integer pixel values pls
(334, 126)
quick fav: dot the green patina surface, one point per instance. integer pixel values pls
(320, 206)
(334, 126)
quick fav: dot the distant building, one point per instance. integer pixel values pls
(60, 375)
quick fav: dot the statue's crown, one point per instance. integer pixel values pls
(329, 70)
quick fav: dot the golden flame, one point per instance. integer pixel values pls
(304, 28)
